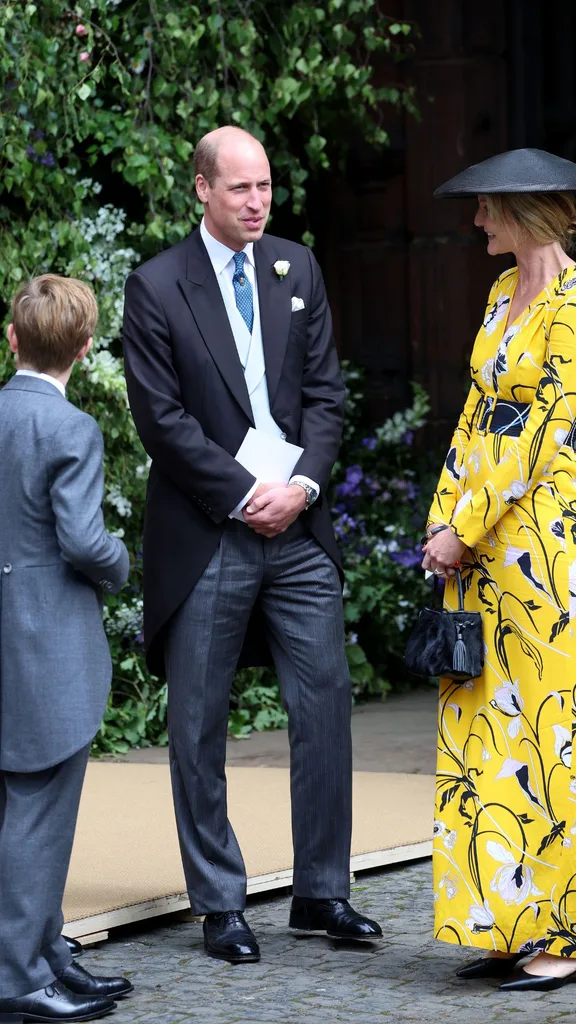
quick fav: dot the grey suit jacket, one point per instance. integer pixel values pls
(55, 560)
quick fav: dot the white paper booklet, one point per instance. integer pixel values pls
(268, 458)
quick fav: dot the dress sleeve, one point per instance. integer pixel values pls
(450, 488)
(528, 456)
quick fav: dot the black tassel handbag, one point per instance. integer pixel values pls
(445, 643)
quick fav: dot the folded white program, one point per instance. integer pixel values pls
(270, 459)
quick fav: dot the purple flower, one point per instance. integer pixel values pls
(351, 486)
(37, 133)
(363, 551)
(139, 638)
(370, 443)
(409, 557)
(31, 152)
(345, 525)
(407, 438)
(48, 160)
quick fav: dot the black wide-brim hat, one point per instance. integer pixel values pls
(518, 170)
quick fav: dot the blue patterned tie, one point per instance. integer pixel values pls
(243, 291)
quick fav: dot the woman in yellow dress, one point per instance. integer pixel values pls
(505, 506)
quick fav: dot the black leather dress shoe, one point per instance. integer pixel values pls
(335, 917)
(75, 947)
(228, 937)
(521, 981)
(53, 1003)
(78, 979)
(489, 967)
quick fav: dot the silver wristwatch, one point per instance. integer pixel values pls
(310, 492)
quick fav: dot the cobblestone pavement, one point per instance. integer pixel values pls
(406, 979)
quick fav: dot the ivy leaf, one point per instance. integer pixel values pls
(83, 92)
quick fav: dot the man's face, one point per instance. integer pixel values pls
(237, 204)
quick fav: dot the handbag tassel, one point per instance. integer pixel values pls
(459, 655)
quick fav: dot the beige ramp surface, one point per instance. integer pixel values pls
(126, 849)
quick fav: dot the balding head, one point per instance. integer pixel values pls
(229, 137)
(233, 184)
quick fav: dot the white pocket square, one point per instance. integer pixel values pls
(297, 303)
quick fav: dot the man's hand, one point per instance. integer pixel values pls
(273, 511)
(442, 552)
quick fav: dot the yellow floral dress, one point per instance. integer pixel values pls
(505, 828)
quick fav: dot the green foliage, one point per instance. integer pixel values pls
(382, 488)
(135, 84)
(102, 102)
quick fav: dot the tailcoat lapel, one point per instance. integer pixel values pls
(202, 293)
(275, 312)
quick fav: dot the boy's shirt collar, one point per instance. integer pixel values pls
(44, 376)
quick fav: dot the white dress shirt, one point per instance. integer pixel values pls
(249, 346)
(43, 376)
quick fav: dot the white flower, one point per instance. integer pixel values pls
(509, 768)
(572, 786)
(567, 842)
(514, 727)
(281, 267)
(512, 555)
(560, 436)
(122, 505)
(449, 840)
(449, 883)
(486, 755)
(496, 313)
(487, 370)
(481, 918)
(563, 745)
(499, 852)
(137, 65)
(517, 490)
(514, 882)
(125, 618)
(142, 470)
(507, 698)
(439, 828)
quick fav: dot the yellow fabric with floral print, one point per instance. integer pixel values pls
(505, 830)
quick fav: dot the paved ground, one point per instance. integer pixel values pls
(396, 736)
(407, 979)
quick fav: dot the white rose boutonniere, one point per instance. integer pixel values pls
(281, 267)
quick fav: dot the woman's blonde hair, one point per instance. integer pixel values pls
(53, 318)
(542, 217)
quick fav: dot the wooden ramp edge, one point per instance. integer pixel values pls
(126, 861)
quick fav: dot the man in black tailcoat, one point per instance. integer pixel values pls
(229, 330)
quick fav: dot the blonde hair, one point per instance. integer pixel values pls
(542, 217)
(53, 318)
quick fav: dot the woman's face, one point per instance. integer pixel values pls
(500, 237)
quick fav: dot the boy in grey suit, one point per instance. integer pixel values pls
(56, 558)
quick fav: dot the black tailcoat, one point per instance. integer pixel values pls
(191, 408)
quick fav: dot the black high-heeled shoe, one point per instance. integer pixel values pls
(490, 967)
(521, 981)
